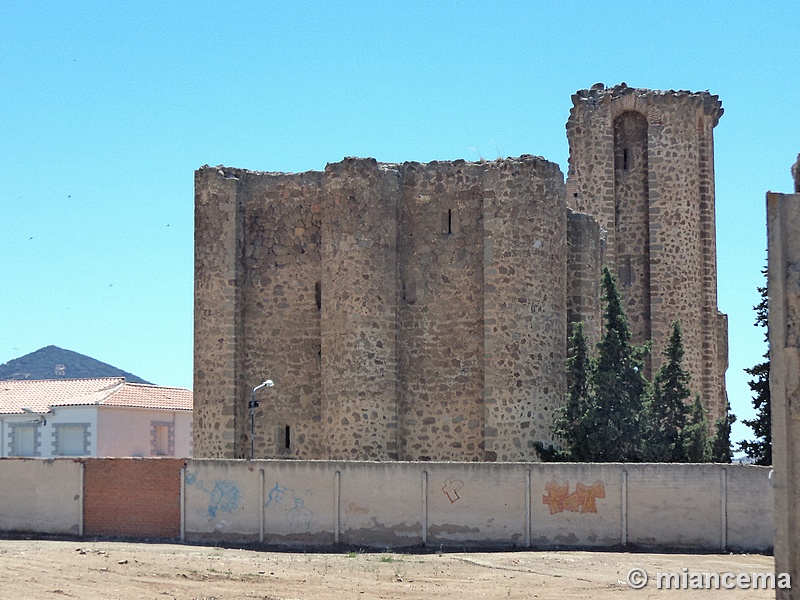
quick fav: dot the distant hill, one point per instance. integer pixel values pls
(53, 362)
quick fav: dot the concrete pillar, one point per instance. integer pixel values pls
(783, 228)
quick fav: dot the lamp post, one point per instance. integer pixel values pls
(253, 404)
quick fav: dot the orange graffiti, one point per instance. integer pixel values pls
(450, 489)
(582, 500)
(355, 509)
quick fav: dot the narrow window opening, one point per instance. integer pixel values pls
(318, 294)
(449, 221)
(626, 274)
(625, 159)
(410, 292)
(288, 438)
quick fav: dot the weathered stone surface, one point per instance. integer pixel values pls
(420, 311)
(796, 175)
(641, 162)
(783, 230)
(413, 311)
(586, 248)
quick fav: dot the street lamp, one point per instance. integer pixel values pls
(253, 404)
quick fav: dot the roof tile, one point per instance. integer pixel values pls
(42, 394)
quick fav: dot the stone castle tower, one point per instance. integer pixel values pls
(420, 311)
(642, 163)
(413, 312)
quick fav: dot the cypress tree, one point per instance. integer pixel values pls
(574, 424)
(667, 409)
(721, 451)
(695, 434)
(618, 384)
(760, 450)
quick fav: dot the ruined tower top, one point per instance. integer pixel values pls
(642, 163)
(796, 175)
(648, 102)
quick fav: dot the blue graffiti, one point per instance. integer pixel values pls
(277, 494)
(223, 496)
(299, 516)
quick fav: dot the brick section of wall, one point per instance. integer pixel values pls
(132, 497)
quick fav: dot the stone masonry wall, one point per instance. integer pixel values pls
(359, 310)
(440, 248)
(641, 162)
(217, 275)
(586, 245)
(411, 311)
(280, 311)
(420, 311)
(525, 297)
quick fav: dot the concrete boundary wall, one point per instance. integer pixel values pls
(41, 496)
(699, 507)
(386, 505)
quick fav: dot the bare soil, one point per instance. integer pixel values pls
(34, 569)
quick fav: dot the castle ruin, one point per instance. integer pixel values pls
(420, 311)
(642, 163)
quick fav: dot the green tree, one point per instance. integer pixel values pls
(721, 451)
(618, 386)
(760, 450)
(573, 425)
(695, 434)
(601, 420)
(666, 409)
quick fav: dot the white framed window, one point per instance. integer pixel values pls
(162, 438)
(24, 439)
(71, 439)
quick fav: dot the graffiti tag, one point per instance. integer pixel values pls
(355, 509)
(277, 494)
(582, 500)
(223, 494)
(451, 488)
(298, 515)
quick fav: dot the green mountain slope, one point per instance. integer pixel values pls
(53, 362)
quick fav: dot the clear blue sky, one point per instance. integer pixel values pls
(107, 108)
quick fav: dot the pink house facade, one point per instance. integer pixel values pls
(103, 417)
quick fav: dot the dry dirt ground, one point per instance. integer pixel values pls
(34, 569)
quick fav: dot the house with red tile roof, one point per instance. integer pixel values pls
(106, 416)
